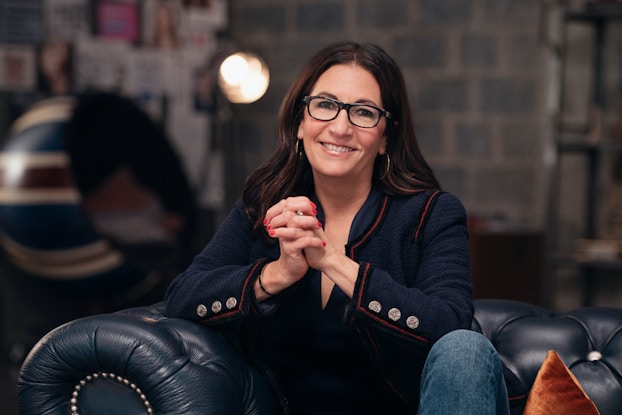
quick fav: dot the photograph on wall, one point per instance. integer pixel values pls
(204, 94)
(145, 79)
(211, 13)
(201, 20)
(55, 67)
(117, 20)
(21, 21)
(67, 19)
(100, 64)
(17, 68)
(161, 24)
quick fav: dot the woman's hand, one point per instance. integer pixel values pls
(293, 222)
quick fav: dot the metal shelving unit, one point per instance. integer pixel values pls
(589, 142)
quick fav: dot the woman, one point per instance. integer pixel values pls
(344, 263)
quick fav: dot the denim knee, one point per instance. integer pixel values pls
(463, 373)
(459, 342)
(464, 354)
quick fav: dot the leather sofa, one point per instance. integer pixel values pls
(137, 361)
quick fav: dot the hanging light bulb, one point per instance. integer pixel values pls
(243, 77)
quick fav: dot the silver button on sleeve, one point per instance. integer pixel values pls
(201, 310)
(395, 314)
(374, 306)
(231, 303)
(412, 322)
(216, 306)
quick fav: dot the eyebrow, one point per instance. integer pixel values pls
(363, 101)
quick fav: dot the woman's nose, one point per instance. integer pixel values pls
(341, 124)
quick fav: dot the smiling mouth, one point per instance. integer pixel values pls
(337, 149)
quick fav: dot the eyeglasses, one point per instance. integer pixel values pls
(361, 115)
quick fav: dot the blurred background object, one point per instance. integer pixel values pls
(243, 77)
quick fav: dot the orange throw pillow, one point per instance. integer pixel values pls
(556, 391)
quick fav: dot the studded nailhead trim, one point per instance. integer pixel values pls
(120, 379)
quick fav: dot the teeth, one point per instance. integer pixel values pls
(338, 149)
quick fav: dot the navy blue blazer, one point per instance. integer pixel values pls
(414, 283)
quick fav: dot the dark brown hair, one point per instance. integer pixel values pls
(288, 172)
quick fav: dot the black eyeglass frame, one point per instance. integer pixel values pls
(346, 106)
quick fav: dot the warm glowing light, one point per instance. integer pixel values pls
(243, 78)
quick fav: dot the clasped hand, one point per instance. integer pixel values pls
(302, 240)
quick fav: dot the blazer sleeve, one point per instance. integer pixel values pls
(217, 287)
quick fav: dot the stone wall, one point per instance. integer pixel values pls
(477, 78)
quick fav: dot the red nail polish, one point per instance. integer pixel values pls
(268, 227)
(271, 233)
(314, 211)
(313, 205)
(319, 224)
(323, 243)
(265, 222)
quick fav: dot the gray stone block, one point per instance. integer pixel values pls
(474, 140)
(507, 95)
(505, 186)
(478, 50)
(429, 137)
(443, 95)
(264, 18)
(445, 11)
(382, 13)
(521, 140)
(421, 51)
(321, 16)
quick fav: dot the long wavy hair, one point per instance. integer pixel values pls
(288, 172)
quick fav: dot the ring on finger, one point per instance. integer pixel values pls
(299, 213)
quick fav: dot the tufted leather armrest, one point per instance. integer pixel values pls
(137, 362)
(589, 341)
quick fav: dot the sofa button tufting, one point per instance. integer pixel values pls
(412, 322)
(231, 303)
(395, 314)
(374, 306)
(594, 356)
(216, 306)
(201, 310)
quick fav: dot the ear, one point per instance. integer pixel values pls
(383, 146)
(300, 133)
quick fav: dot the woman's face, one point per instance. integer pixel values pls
(338, 148)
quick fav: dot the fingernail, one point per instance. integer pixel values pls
(268, 227)
(265, 222)
(271, 233)
(314, 211)
(313, 205)
(319, 224)
(323, 243)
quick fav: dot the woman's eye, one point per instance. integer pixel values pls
(364, 112)
(326, 105)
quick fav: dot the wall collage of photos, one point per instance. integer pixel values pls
(159, 53)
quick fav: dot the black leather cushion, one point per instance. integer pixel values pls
(589, 341)
(180, 367)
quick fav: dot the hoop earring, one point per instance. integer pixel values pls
(386, 172)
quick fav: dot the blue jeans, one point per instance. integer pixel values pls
(463, 375)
